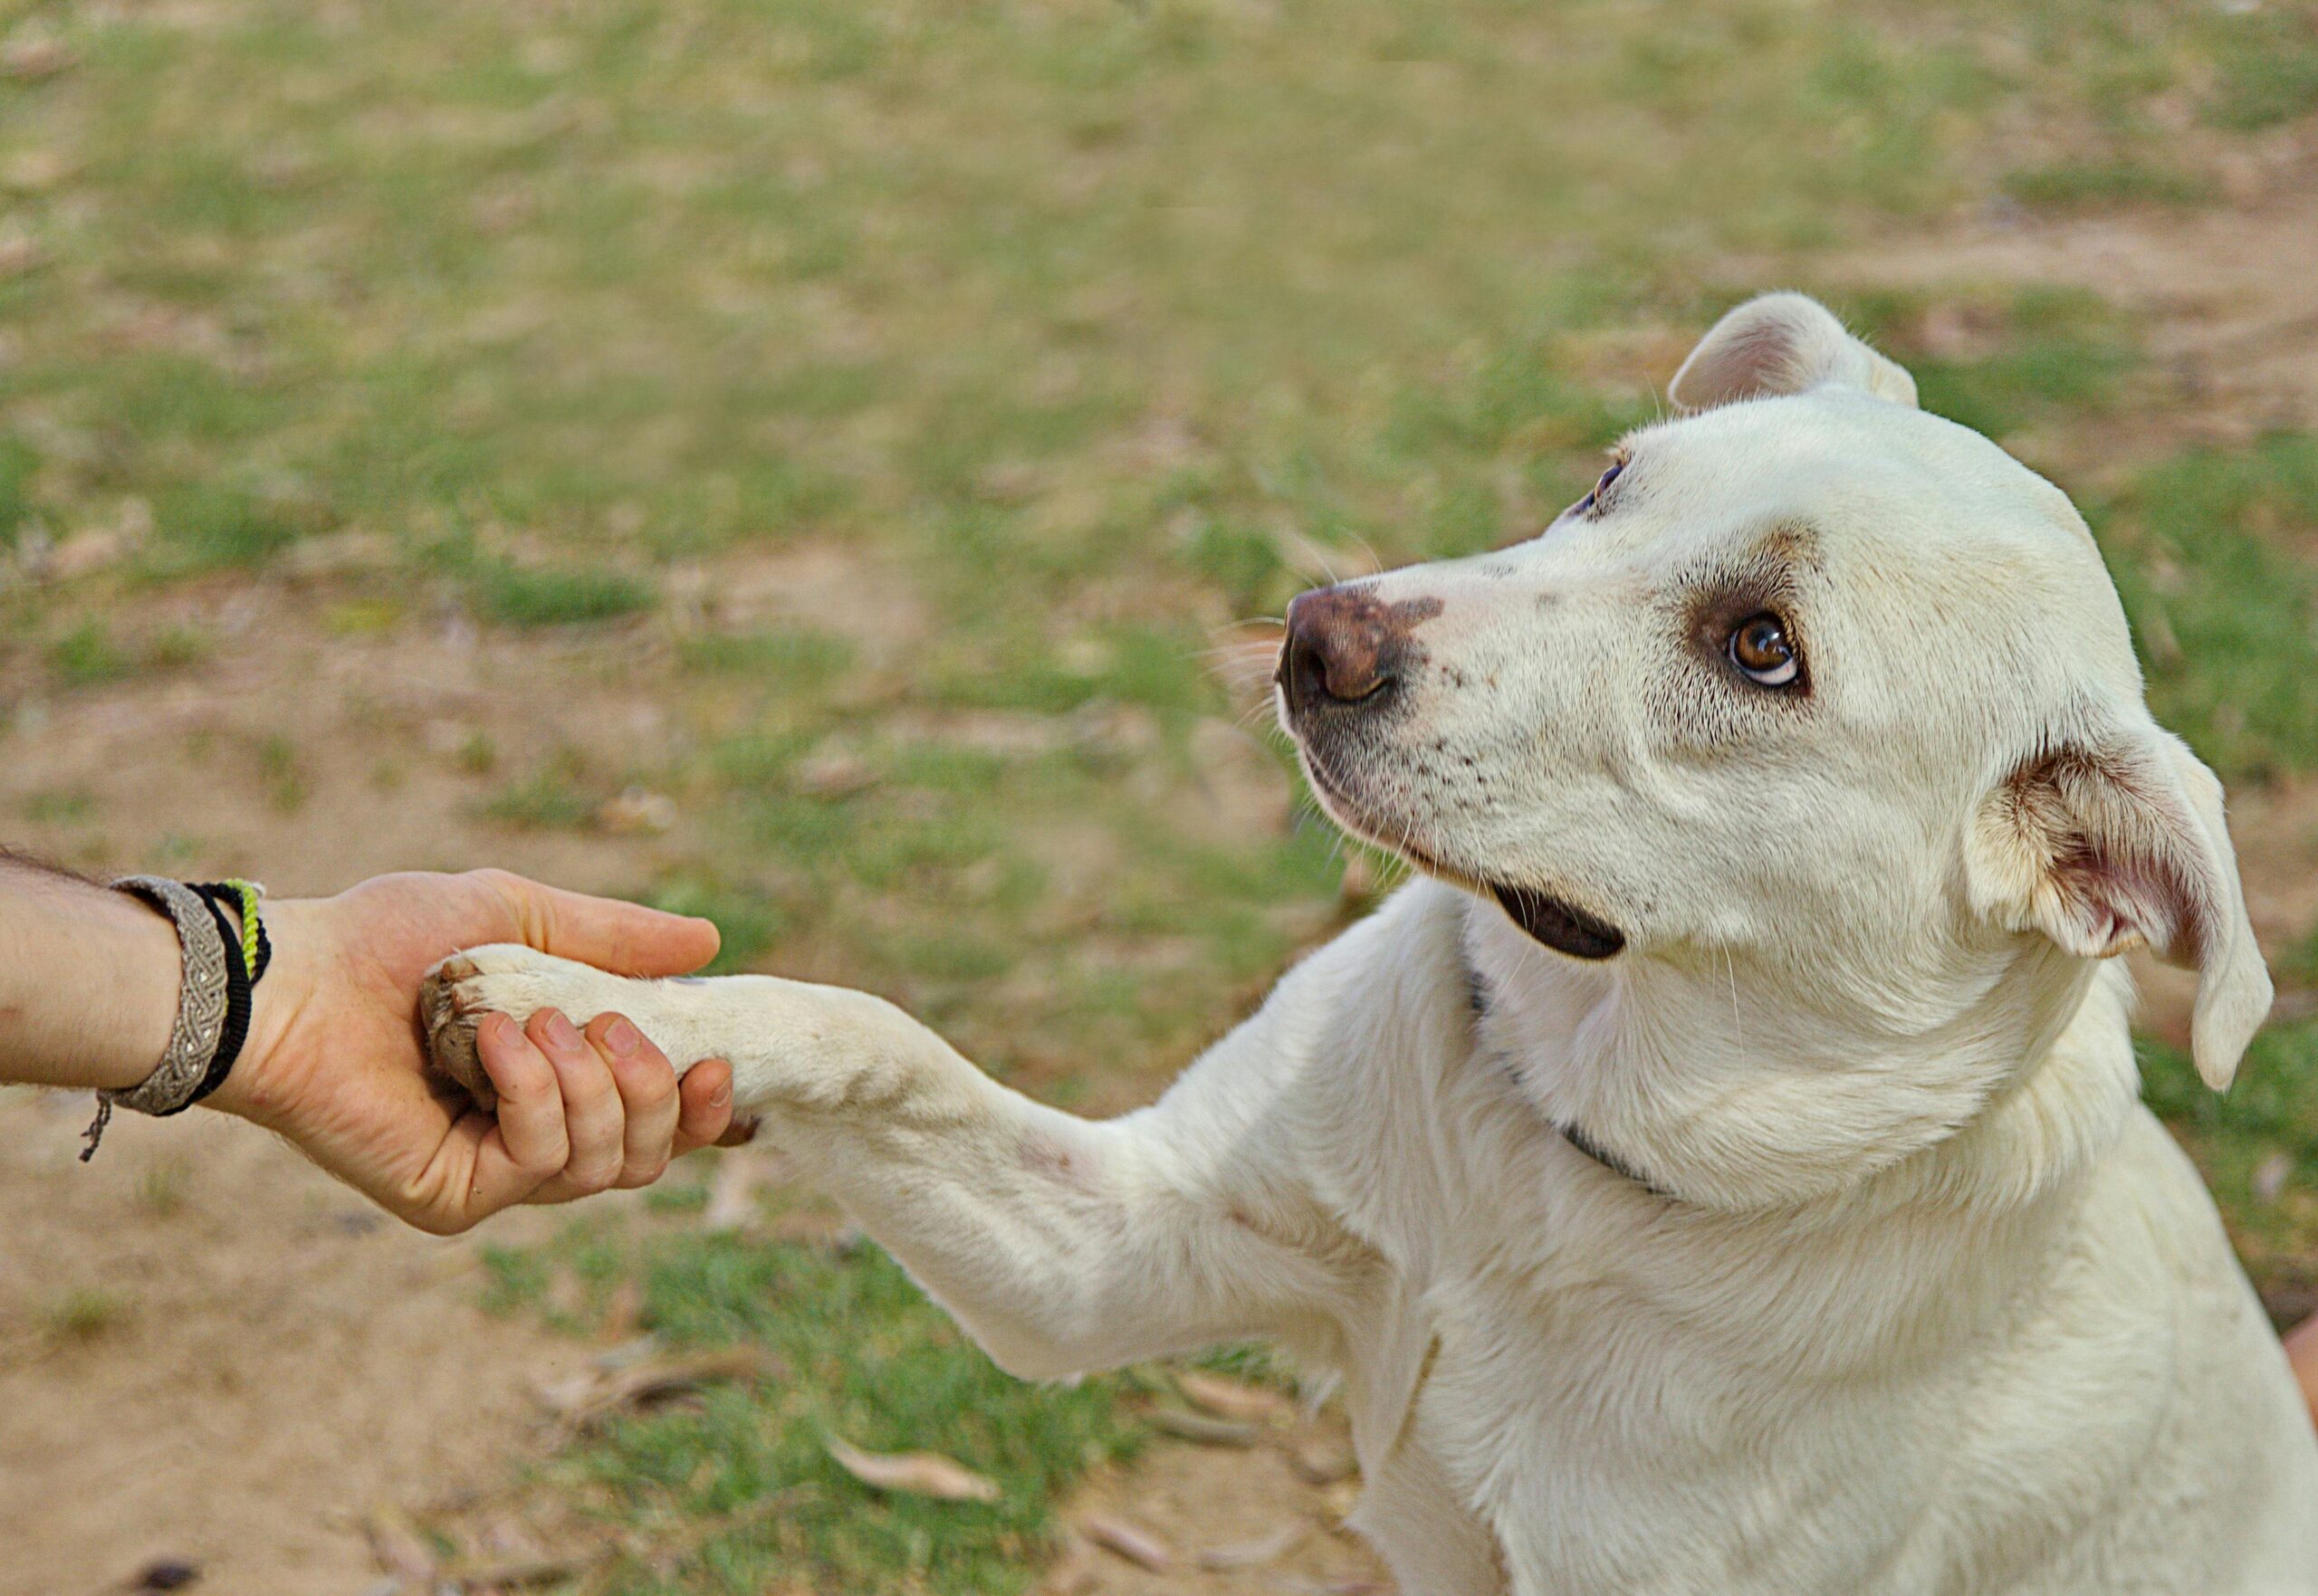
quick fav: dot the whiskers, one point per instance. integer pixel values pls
(1243, 660)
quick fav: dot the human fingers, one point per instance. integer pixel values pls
(595, 1118)
(532, 1119)
(705, 1100)
(481, 1162)
(648, 1097)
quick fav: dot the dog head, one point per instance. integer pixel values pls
(1812, 687)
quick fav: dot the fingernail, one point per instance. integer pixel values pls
(558, 1030)
(623, 1039)
(720, 1097)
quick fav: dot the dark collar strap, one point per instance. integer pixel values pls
(1478, 995)
(1611, 1161)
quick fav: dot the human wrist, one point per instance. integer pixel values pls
(88, 982)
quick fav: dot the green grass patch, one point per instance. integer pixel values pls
(18, 462)
(2104, 184)
(215, 526)
(283, 773)
(85, 1313)
(2256, 1143)
(64, 807)
(861, 1355)
(553, 798)
(797, 659)
(87, 656)
(747, 922)
(555, 595)
(2224, 612)
(2037, 355)
(2267, 66)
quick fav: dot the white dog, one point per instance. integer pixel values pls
(1724, 1174)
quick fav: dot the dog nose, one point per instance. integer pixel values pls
(1343, 647)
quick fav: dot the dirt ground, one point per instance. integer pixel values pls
(210, 1354)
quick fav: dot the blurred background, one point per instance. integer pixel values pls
(824, 464)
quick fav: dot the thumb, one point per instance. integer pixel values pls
(627, 939)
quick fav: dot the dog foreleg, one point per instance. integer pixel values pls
(1063, 1245)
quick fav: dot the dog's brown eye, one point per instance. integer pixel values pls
(1761, 648)
(1601, 486)
(1586, 505)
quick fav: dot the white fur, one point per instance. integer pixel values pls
(1925, 1301)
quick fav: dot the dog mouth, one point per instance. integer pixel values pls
(1556, 923)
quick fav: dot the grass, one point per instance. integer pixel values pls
(2102, 185)
(85, 1313)
(2034, 355)
(2265, 1116)
(1066, 335)
(857, 1352)
(161, 1187)
(522, 595)
(2269, 61)
(748, 920)
(553, 798)
(2210, 549)
(87, 656)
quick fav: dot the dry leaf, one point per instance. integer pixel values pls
(20, 253)
(1232, 1399)
(499, 1572)
(585, 1401)
(30, 57)
(1138, 1546)
(1320, 1460)
(2271, 1175)
(398, 1546)
(913, 1474)
(1255, 1553)
(834, 772)
(1204, 1427)
(637, 811)
(1073, 1573)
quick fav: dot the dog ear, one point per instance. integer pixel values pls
(2109, 843)
(1782, 343)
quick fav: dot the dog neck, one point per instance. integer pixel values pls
(1702, 1086)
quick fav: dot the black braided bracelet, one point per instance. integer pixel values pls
(242, 897)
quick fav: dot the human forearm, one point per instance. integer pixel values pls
(88, 980)
(90, 985)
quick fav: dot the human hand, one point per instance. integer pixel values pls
(335, 1060)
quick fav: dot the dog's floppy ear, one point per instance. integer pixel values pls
(1782, 343)
(2114, 840)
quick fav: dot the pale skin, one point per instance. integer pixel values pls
(89, 992)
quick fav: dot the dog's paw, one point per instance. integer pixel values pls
(503, 979)
(450, 1028)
